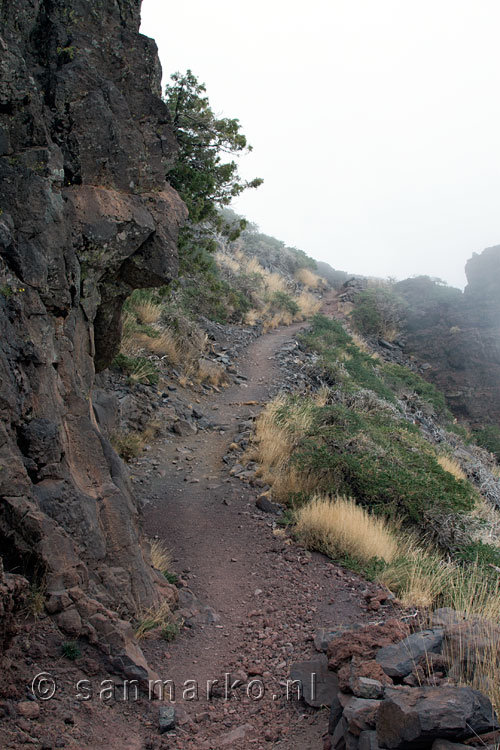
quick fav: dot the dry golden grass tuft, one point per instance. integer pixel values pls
(452, 467)
(423, 578)
(309, 304)
(345, 308)
(496, 471)
(152, 618)
(252, 317)
(273, 444)
(321, 396)
(228, 261)
(141, 373)
(252, 265)
(308, 278)
(339, 527)
(274, 283)
(161, 557)
(488, 523)
(147, 312)
(289, 481)
(279, 318)
(267, 326)
(128, 445)
(477, 658)
(163, 345)
(360, 343)
(279, 532)
(419, 577)
(390, 333)
(469, 591)
(128, 344)
(211, 372)
(185, 379)
(476, 661)
(35, 601)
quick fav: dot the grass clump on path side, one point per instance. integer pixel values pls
(304, 448)
(415, 522)
(341, 528)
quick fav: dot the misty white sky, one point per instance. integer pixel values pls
(375, 123)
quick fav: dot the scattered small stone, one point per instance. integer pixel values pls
(28, 709)
(166, 719)
(264, 504)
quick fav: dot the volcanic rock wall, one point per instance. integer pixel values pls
(458, 335)
(85, 217)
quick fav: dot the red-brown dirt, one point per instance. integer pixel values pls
(266, 597)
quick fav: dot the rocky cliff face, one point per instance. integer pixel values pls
(458, 336)
(85, 216)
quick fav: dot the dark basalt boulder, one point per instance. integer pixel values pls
(415, 717)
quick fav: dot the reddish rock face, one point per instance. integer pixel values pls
(350, 674)
(86, 215)
(363, 644)
(458, 335)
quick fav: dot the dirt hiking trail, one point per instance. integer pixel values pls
(254, 599)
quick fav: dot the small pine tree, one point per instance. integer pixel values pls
(203, 177)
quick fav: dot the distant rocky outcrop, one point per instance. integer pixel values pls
(458, 336)
(332, 275)
(85, 216)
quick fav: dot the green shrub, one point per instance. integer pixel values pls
(399, 378)
(329, 339)
(139, 369)
(70, 650)
(286, 518)
(378, 312)
(482, 554)
(283, 301)
(128, 445)
(365, 373)
(302, 260)
(489, 438)
(209, 295)
(171, 577)
(325, 335)
(364, 447)
(170, 631)
(381, 462)
(35, 603)
(369, 569)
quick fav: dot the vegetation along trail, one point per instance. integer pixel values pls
(253, 600)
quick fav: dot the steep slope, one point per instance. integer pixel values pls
(86, 215)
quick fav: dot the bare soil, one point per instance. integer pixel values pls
(267, 596)
(252, 600)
